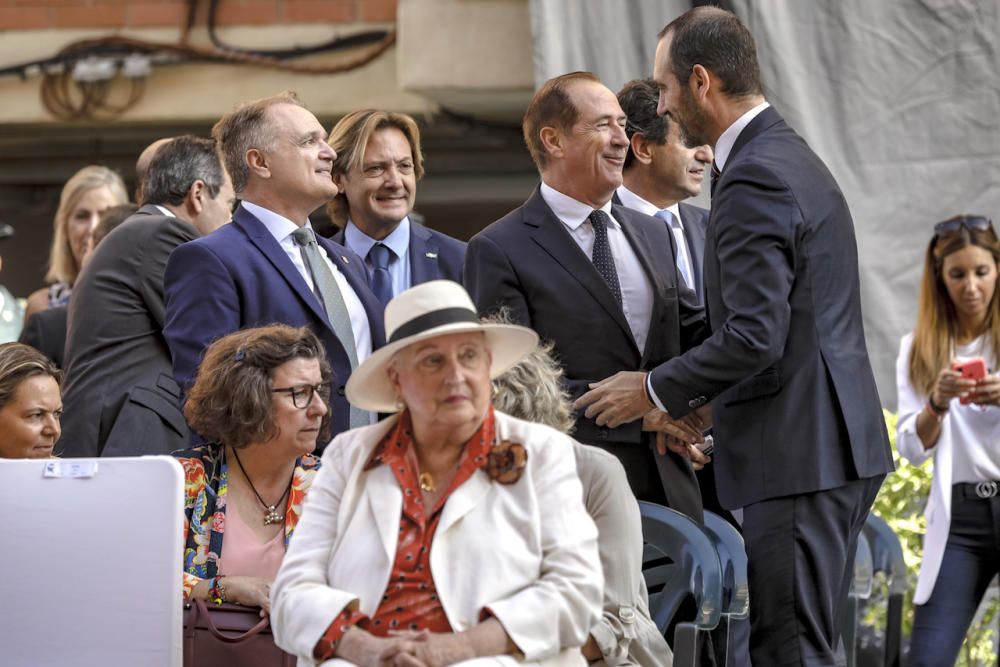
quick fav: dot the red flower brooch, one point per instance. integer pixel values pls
(506, 462)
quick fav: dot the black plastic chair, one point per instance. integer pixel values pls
(680, 562)
(887, 558)
(861, 589)
(735, 588)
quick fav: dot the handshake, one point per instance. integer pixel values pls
(622, 398)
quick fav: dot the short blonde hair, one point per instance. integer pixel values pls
(62, 264)
(532, 390)
(349, 139)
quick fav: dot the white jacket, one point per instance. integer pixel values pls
(527, 550)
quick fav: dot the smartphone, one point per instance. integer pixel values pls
(971, 369)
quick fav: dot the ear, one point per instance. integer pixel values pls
(393, 376)
(551, 141)
(700, 82)
(339, 180)
(257, 162)
(194, 202)
(640, 148)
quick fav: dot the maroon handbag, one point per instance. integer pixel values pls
(229, 634)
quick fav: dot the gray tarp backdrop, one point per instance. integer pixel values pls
(901, 98)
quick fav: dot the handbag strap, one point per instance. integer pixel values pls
(229, 639)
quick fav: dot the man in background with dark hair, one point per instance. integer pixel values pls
(119, 396)
(801, 443)
(595, 278)
(661, 171)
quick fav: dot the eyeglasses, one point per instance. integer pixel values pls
(973, 223)
(302, 395)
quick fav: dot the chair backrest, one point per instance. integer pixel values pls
(679, 561)
(887, 553)
(864, 571)
(733, 559)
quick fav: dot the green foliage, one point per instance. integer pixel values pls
(900, 503)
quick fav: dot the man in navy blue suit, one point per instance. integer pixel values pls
(377, 168)
(800, 441)
(268, 266)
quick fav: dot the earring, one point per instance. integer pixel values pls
(399, 405)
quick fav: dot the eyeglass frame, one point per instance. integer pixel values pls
(972, 223)
(322, 388)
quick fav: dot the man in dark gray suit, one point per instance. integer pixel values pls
(661, 171)
(120, 398)
(590, 275)
(377, 167)
(801, 444)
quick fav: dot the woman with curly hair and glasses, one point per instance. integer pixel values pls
(949, 395)
(261, 397)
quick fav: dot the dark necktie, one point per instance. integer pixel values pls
(715, 178)
(381, 278)
(602, 258)
(326, 288)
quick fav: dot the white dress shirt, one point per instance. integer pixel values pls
(724, 146)
(398, 242)
(634, 201)
(637, 293)
(281, 228)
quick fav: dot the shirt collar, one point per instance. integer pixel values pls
(571, 212)
(165, 211)
(634, 201)
(398, 241)
(279, 226)
(724, 146)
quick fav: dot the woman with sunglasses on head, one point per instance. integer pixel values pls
(261, 397)
(945, 414)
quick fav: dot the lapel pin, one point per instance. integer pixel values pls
(344, 257)
(431, 255)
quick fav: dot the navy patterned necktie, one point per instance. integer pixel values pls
(602, 258)
(715, 178)
(381, 278)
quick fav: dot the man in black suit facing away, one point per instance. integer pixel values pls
(377, 167)
(801, 444)
(590, 275)
(120, 398)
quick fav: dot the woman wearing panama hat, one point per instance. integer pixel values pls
(448, 532)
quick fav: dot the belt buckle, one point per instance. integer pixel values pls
(986, 489)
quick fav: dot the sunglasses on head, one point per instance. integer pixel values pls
(973, 223)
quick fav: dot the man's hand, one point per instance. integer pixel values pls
(616, 400)
(688, 451)
(687, 429)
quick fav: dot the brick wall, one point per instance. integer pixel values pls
(43, 14)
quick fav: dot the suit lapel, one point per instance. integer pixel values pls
(463, 500)
(272, 250)
(761, 122)
(423, 255)
(386, 502)
(641, 245)
(694, 233)
(550, 233)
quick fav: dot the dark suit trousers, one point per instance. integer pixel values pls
(801, 561)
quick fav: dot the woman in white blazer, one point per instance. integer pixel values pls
(502, 569)
(957, 421)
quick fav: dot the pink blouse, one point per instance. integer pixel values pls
(245, 555)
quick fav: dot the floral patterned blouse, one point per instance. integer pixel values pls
(206, 483)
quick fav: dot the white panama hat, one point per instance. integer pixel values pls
(435, 308)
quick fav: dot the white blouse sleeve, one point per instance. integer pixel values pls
(910, 403)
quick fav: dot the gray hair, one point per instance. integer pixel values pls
(532, 390)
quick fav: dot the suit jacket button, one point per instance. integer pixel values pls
(693, 403)
(603, 434)
(340, 390)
